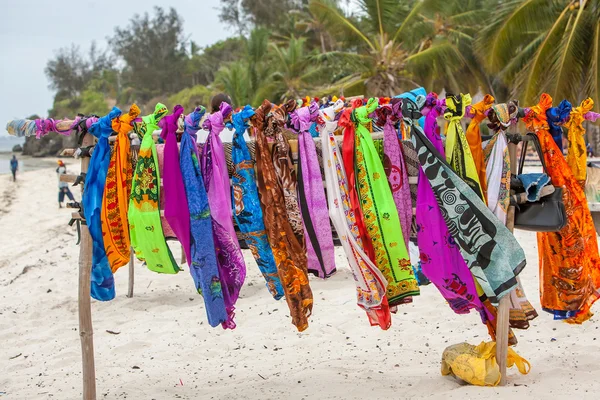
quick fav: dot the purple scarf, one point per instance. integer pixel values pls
(311, 193)
(394, 165)
(177, 212)
(440, 256)
(232, 269)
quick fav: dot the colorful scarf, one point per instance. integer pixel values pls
(394, 165)
(498, 170)
(246, 204)
(370, 283)
(216, 179)
(313, 204)
(569, 262)
(556, 116)
(492, 253)
(287, 250)
(145, 228)
(477, 113)
(203, 266)
(380, 213)
(115, 203)
(440, 256)
(102, 280)
(458, 152)
(284, 166)
(177, 213)
(348, 126)
(577, 154)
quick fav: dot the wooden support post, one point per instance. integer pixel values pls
(84, 301)
(131, 274)
(502, 324)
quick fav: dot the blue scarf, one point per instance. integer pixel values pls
(203, 268)
(558, 115)
(246, 204)
(103, 282)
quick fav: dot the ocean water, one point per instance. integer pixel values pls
(8, 142)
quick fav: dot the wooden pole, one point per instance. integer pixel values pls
(131, 274)
(84, 301)
(502, 325)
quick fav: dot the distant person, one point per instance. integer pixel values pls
(63, 187)
(14, 167)
(589, 149)
(216, 101)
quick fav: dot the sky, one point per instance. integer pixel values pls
(32, 30)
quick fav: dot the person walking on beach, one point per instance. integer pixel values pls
(14, 166)
(63, 187)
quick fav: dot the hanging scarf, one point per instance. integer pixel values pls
(313, 204)
(577, 153)
(478, 114)
(393, 164)
(489, 249)
(216, 179)
(284, 167)
(102, 280)
(145, 229)
(115, 203)
(458, 153)
(440, 256)
(203, 266)
(555, 117)
(370, 283)
(498, 166)
(246, 204)
(345, 122)
(287, 250)
(380, 214)
(177, 213)
(569, 262)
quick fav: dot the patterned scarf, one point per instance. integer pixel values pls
(349, 128)
(394, 165)
(569, 262)
(313, 204)
(555, 117)
(577, 154)
(177, 213)
(440, 256)
(203, 268)
(380, 214)
(478, 114)
(458, 153)
(246, 204)
(370, 283)
(216, 179)
(103, 283)
(145, 228)
(287, 250)
(115, 203)
(490, 250)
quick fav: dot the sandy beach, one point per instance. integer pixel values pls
(165, 349)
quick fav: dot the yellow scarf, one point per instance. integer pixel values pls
(577, 154)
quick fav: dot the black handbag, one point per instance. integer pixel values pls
(547, 214)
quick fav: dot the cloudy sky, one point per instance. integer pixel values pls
(32, 30)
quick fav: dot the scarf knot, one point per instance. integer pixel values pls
(240, 119)
(456, 106)
(103, 127)
(215, 123)
(191, 122)
(302, 119)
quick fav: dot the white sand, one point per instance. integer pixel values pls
(164, 333)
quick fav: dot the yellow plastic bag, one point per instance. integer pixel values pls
(477, 364)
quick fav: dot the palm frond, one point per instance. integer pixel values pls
(340, 20)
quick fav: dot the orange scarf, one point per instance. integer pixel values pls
(577, 154)
(474, 138)
(115, 203)
(569, 261)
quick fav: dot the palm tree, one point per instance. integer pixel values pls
(400, 42)
(294, 68)
(540, 46)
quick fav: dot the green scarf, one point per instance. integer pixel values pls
(380, 213)
(145, 229)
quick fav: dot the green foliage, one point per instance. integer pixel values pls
(192, 97)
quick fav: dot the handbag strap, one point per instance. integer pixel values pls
(532, 137)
